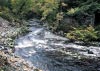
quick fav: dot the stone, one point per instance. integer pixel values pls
(37, 70)
(90, 52)
(14, 63)
(67, 23)
(3, 23)
(98, 69)
(1, 47)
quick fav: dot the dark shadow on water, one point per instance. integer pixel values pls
(59, 59)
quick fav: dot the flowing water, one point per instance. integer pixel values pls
(45, 50)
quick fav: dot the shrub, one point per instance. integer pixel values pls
(83, 34)
(20, 7)
(47, 8)
(15, 10)
(3, 3)
(98, 29)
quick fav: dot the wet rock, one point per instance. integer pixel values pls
(90, 52)
(3, 23)
(34, 22)
(98, 69)
(1, 47)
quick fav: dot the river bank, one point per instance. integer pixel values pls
(41, 49)
(8, 60)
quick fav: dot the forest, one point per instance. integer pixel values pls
(56, 12)
(74, 22)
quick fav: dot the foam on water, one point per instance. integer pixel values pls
(40, 47)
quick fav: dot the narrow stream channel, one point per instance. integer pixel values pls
(46, 50)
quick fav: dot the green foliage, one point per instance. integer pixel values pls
(3, 3)
(15, 10)
(98, 29)
(83, 34)
(72, 11)
(85, 8)
(52, 12)
(20, 7)
(9, 39)
(23, 30)
(9, 16)
(47, 8)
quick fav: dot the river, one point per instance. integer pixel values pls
(49, 52)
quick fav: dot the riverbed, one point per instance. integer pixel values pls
(49, 52)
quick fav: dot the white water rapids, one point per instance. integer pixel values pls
(44, 50)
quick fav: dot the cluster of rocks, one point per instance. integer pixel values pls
(88, 51)
(74, 59)
(9, 61)
(7, 32)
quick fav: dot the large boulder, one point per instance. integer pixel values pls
(67, 23)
